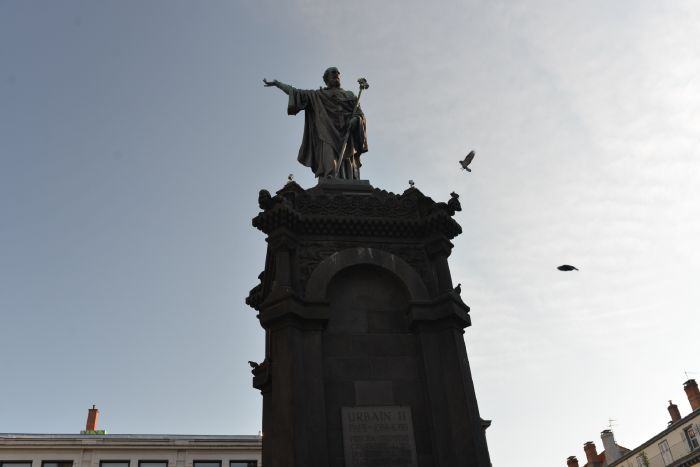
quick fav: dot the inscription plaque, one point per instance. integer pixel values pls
(378, 437)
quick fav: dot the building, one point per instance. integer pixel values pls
(96, 448)
(611, 451)
(678, 445)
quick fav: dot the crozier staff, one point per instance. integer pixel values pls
(331, 114)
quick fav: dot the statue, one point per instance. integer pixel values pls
(335, 130)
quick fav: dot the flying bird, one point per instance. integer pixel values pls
(567, 267)
(467, 160)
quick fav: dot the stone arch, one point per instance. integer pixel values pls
(321, 276)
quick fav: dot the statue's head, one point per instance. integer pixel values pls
(332, 77)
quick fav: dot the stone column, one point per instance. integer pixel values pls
(458, 430)
(291, 377)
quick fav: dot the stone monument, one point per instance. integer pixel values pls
(365, 363)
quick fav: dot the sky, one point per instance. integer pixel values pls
(134, 137)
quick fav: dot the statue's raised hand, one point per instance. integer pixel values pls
(270, 83)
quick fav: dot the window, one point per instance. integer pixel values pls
(153, 463)
(665, 452)
(57, 464)
(243, 464)
(207, 464)
(642, 460)
(15, 463)
(114, 463)
(692, 437)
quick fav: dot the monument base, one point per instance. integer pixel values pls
(365, 363)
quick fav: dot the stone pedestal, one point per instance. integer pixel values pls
(365, 363)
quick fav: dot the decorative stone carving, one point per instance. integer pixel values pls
(325, 220)
(374, 213)
(311, 254)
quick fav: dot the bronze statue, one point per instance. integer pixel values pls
(335, 129)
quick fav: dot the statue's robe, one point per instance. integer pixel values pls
(327, 115)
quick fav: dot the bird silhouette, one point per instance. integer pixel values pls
(467, 160)
(458, 289)
(411, 183)
(253, 365)
(567, 267)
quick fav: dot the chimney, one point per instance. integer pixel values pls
(673, 410)
(93, 415)
(612, 450)
(591, 452)
(571, 461)
(691, 390)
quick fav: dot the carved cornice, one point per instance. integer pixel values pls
(283, 308)
(288, 310)
(363, 213)
(446, 310)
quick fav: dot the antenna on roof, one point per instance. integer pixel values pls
(610, 423)
(689, 373)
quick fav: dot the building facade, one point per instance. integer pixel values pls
(677, 445)
(104, 450)
(611, 451)
(96, 448)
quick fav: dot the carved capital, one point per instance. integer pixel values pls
(446, 310)
(282, 239)
(283, 308)
(438, 246)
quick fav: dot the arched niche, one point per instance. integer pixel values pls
(365, 298)
(317, 285)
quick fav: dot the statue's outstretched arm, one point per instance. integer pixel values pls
(284, 87)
